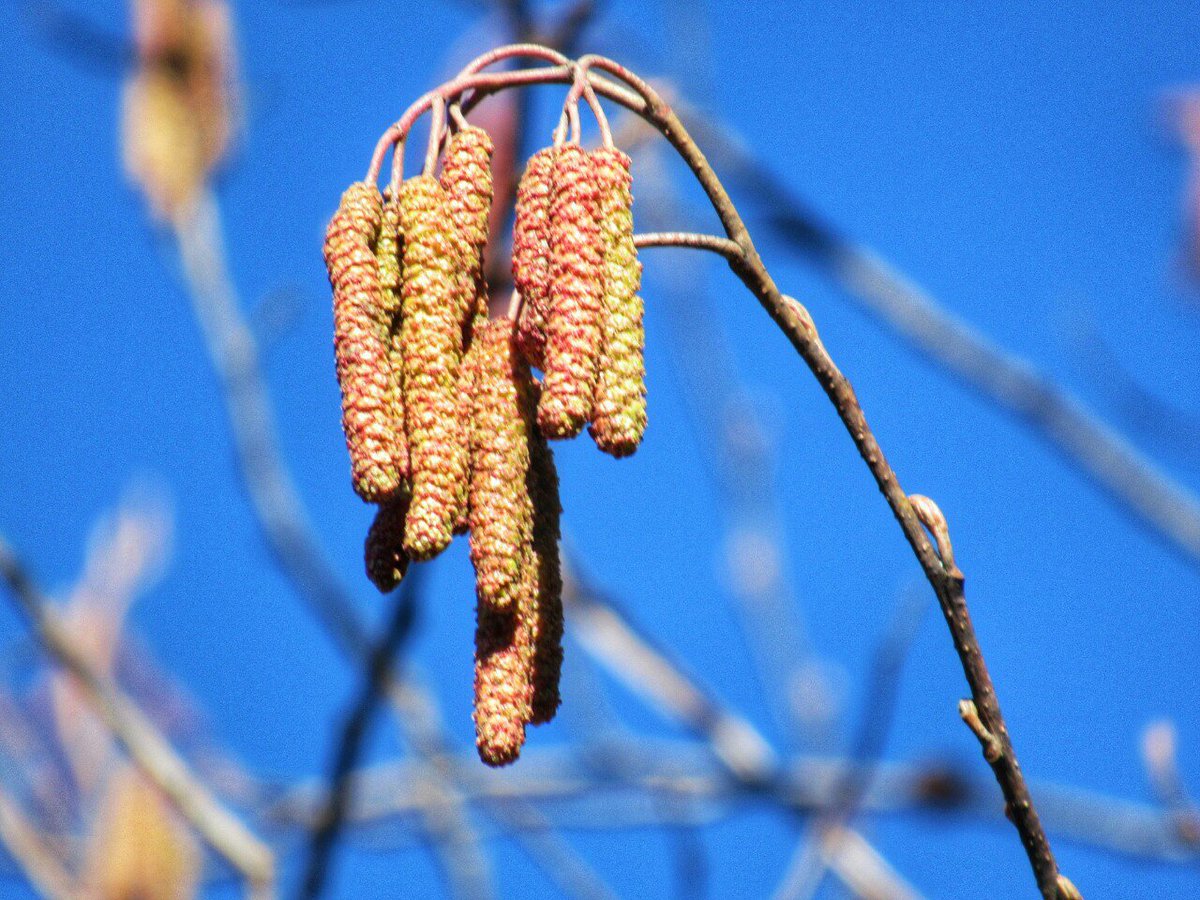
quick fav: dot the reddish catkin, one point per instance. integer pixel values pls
(467, 180)
(387, 251)
(576, 296)
(360, 341)
(531, 253)
(500, 513)
(502, 685)
(431, 337)
(546, 569)
(619, 417)
(383, 552)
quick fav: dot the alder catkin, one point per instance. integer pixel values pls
(576, 296)
(467, 180)
(531, 253)
(547, 572)
(431, 343)
(361, 341)
(619, 417)
(500, 511)
(502, 684)
(383, 552)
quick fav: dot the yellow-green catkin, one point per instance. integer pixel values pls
(500, 512)
(547, 574)
(531, 253)
(619, 417)
(576, 296)
(361, 342)
(467, 180)
(384, 554)
(387, 252)
(431, 340)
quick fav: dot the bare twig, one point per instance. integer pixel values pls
(630, 657)
(45, 870)
(711, 242)
(146, 747)
(624, 785)
(357, 727)
(804, 875)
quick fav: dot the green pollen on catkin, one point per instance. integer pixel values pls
(619, 416)
(431, 345)
(576, 296)
(361, 326)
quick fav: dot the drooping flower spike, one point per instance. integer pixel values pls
(361, 335)
(576, 296)
(431, 338)
(531, 253)
(620, 412)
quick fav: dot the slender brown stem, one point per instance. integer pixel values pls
(721, 246)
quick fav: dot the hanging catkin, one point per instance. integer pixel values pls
(467, 180)
(502, 684)
(547, 572)
(619, 417)
(500, 513)
(361, 341)
(576, 296)
(431, 337)
(531, 253)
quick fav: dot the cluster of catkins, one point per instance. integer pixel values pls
(445, 421)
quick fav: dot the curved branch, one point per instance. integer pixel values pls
(797, 325)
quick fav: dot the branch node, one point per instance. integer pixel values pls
(930, 515)
(992, 749)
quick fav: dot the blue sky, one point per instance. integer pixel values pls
(1009, 157)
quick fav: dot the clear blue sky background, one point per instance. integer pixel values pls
(1007, 156)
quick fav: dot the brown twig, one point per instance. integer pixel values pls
(1161, 503)
(148, 749)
